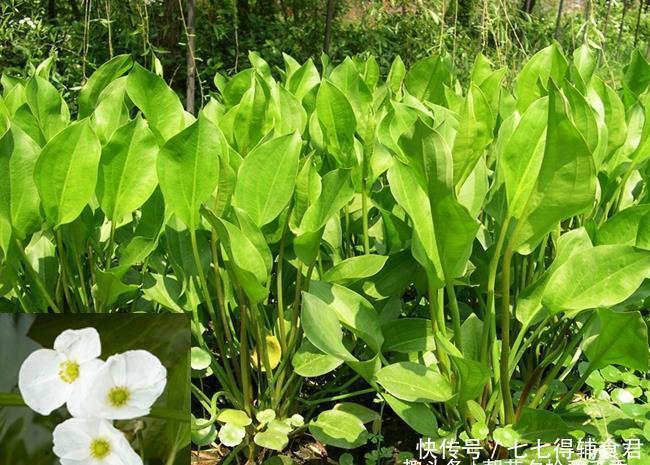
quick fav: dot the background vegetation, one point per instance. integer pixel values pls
(166, 34)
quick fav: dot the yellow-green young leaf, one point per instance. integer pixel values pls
(322, 327)
(426, 79)
(250, 123)
(100, 79)
(290, 115)
(303, 79)
(522, 154)
(621, 340)
(127, 170)
(19, 202)
(337, 190)
(628, 227)
(157, 101)
(188, 169)
(47, 105)
(414, 382)
(602, 276)
(396, 74)
(267, 177)
(338, 123)
(66, 172)
(545, 64)
(473, 135)
(339, 429)
(111, 111)
(565, 184)
(355, 268)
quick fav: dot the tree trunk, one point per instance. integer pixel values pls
(51, 10)
(609, 9)
(191, 64)
(620, 27)
(243, 13)
(75, 9)
(638, 23)
(328, 26)
(558, 21)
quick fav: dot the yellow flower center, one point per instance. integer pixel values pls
(68, 371)
(99, 448)
(118, 396)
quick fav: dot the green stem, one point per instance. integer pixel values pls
(455, 315)
(504, 370)
(64, 271)
(340, 396)
(488, 326)
(111, 247)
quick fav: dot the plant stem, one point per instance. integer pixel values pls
(455, 315)
(504, 370)
(64, 271)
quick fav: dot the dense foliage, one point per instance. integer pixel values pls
(86, 33)
(471, 258)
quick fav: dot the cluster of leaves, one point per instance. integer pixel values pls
(454, 252)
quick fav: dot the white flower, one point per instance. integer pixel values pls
(125, 387)
(79, 441)
(50, 378)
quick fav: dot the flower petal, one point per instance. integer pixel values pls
(39, 382)
(138, 371)
(122, 452)
(72, 438)
(81, 387)
(79, 345)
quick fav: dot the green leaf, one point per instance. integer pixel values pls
(415, 414)
(309, 362)
(234, 417)
(66, 172)
(352, 310)
(443, 229)
(621, 340)
(322, 327)
(364, 414)
(629, 227)
(159, 103)
(250, 123)
(246, 260)
(414, 382)
(267, 177)
(127, 172)
(426, 79)
(473, 135)
(188, 170)
(200, 358)
(109, 287)
(339, 429)
(271, 439)
(602, 276)
(97, 82)
(541, 425)
(565, 184)
(47, 105)
(19, 202)
(408, 335)
(546, 64)
(355, 268)
(337, 120)
(471, 379)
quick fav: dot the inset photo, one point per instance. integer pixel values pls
(94, 389)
